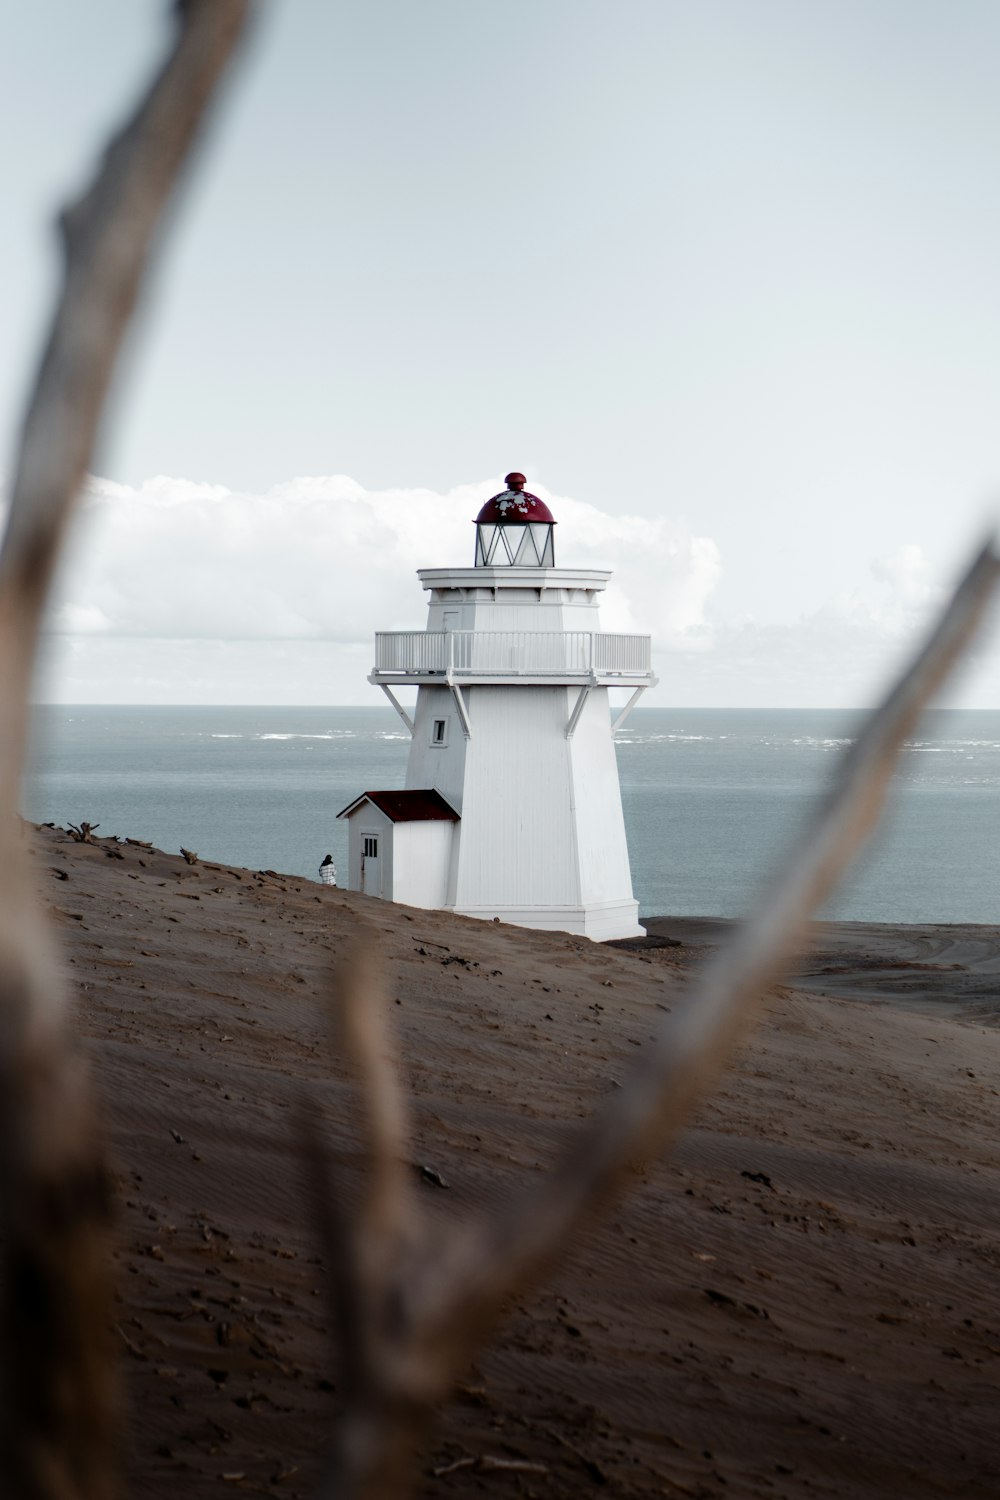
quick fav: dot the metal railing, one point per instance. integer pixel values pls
(506, 653)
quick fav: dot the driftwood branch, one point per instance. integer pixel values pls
(440, 1300)
(82, 833)
(57, 1409)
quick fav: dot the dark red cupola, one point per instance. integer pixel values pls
(514, 529)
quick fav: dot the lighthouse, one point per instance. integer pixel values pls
(512, 807)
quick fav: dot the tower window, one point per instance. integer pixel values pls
(439, 734)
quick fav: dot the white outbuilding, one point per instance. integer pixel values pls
(399, 845)
(512, 807)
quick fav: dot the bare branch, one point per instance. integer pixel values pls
(372, 1255)
(363, 1016)
(362, 1251)
(57, 1404)
(445, 1300)
(108, 237)
(693, 1042)
(58, 1400)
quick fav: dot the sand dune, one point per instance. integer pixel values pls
(800, 1301)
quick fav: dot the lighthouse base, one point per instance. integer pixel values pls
(600, 921)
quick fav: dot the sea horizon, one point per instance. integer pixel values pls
(711, 796)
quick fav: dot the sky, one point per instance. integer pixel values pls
(721, 278)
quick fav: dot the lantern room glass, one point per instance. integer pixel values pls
(515, 544)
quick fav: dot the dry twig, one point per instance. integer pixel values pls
(487, 1463)
(57, 1403)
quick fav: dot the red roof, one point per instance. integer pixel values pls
(406, 807)
(513, 507)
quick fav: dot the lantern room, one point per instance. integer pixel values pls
(514, 529)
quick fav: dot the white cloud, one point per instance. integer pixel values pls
(663, 576)
(906, 573)
(78, 619)
(325, 559)
(176, 591)
(841, 654)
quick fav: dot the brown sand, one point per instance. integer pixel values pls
(800, 1301)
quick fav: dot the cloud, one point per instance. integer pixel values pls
(322, 558)
(906, 574)
(663, 576)
(78, 619)
(842, 654)
(905, 598)
(176, 591)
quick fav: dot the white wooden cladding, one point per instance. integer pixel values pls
(503, 653)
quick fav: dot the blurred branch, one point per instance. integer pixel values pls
(108, 236)
(695, 1040)
(444, 1299)
(57, 1407)
(370, 1252)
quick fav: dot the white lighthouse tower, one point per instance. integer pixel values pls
(512, 807)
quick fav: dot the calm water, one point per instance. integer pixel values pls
(711, 796)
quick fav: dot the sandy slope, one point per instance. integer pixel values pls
(802, 1301)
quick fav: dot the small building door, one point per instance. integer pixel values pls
(371, 872)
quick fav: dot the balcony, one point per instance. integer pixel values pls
(513, 656)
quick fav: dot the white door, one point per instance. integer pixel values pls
(371, 875)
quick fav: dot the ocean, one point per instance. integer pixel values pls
(711, 797)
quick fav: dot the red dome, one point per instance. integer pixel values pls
(514, 507)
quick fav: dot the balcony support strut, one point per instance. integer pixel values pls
(387, 690)
(463, 712)
(617, 723)
(574, 717)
